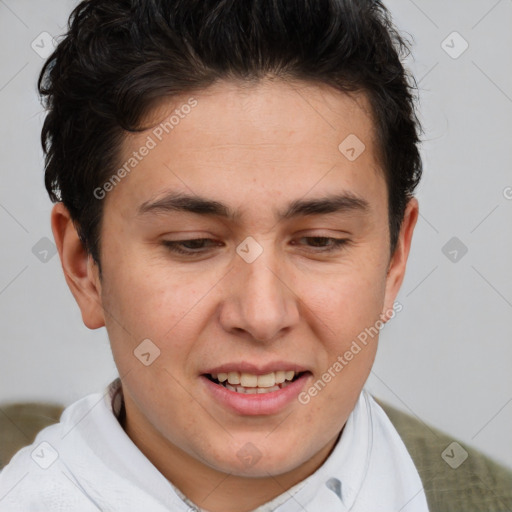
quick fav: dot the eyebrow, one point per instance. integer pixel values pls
(179, 202)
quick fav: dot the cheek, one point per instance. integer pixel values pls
(159, 303)
(345, 309)
(154, 297)
(345, 312)
(347, 301)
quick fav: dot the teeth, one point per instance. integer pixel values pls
(234, 378)
(248, 380)
(249, 383)
(280, 378)
(267, 380)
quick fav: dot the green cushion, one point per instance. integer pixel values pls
(478, 484)
(20, 423)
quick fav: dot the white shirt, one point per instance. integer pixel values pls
(87, 463)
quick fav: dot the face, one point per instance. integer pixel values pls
(246, 243)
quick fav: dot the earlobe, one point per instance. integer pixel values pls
(80, 272)
(398, 263)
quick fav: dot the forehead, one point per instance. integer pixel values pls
(270, 112)
(254, 142)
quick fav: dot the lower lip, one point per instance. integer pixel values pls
(256, 404)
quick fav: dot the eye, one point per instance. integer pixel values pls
(193, 246)
(325, 244)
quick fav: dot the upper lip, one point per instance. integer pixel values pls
(245, 367)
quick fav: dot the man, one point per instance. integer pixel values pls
(234, 185)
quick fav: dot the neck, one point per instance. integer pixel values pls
(208, 488)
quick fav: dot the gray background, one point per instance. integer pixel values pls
(445, 358)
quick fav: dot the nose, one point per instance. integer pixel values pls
(259, 302)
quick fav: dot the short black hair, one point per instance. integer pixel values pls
(120, 57)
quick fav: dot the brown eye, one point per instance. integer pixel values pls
(193, 246)
(325, 244)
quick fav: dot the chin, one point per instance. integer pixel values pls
(250, 462)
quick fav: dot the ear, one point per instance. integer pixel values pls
(398, 262)
(80, 270)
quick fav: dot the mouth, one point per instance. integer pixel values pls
(249, 389)
(251, 384)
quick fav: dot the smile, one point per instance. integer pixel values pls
(248, 383)
(248, 394)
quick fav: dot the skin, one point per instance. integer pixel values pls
(255, 148)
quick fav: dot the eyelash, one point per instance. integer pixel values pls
(174, 246)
